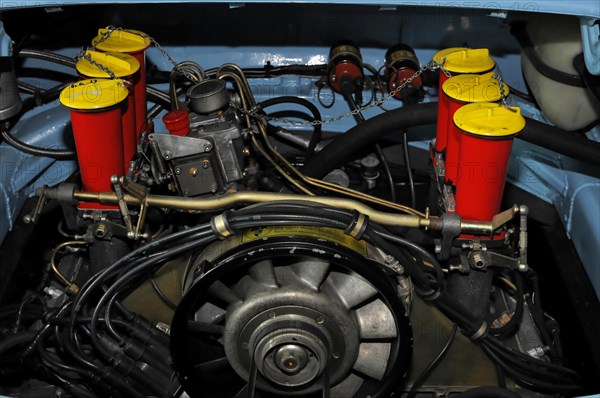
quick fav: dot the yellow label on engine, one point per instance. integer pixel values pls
(319, 233)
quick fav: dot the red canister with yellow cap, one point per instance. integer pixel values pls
(95, 106)
(486, 135)
(456, 61)
(459, 91)
(134, 43)
(126, 68)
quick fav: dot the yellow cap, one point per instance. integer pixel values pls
(441, 55)
(469, 60)
(489, 120)
(474, 88)
(122, 65)
(121, 41)
(94, 94)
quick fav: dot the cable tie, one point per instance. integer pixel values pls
(357, 226)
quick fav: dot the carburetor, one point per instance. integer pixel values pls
(204, 150)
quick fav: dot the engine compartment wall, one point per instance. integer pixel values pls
(212, 34)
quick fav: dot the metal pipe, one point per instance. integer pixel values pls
(240, 198)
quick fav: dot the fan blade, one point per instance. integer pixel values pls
(372, 359)
(213, 365)
(208, 312)
(311, 272)
(348, 387)
(205, 328)
(375, 321)
(243, 393)
(351, 289)
(264, 273)
(222, 292)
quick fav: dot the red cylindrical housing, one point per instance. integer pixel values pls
(457, 92)
(126, 68)
(486, 134)
(456, 61)
(401, 63)
(177, 122)
(134, 43)
(345, 64)
(96, 117)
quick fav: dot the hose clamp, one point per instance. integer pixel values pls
(221, 227)
(480, 333)
(357, 226)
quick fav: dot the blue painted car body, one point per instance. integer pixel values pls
(572, 187)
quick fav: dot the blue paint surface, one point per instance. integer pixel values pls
(581, 7)
(572, 187)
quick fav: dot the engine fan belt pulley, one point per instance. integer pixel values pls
(289, 316)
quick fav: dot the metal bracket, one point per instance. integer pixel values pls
(450, 229)
(105, 230)
(173, 146)
(141, 193)
(34, 216)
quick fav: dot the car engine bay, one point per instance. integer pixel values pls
(298, 200)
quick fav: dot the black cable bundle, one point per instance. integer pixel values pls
(94, 343)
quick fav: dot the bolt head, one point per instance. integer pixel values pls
(177, 170)
(523, 267)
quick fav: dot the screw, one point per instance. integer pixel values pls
(205, 164)
(213, 188)
(167, 155)
(177, 170)
(320, 320)
(193, 171)
(246, 151)
(207, 148)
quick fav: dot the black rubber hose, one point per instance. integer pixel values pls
(564, 142)
(59, 154)
(366, 133)
(317, 134)
(37, 151)
(16, 340)
(488, 392)
(47, 56)
(538, 133)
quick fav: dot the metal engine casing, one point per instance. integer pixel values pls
(209, 160)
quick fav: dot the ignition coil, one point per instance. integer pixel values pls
(400, 64)
(345, 69)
